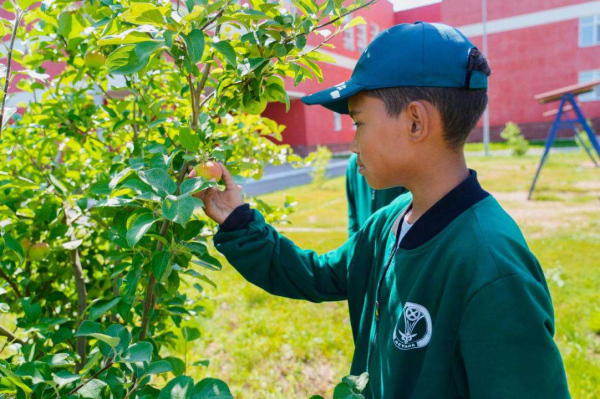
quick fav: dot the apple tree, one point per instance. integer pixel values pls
(104, 252)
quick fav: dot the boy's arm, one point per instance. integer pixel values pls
(505, 339)
(276, 264)
(353, 226)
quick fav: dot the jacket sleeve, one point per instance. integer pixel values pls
(353, 226)
(505, 340)
(277, 265)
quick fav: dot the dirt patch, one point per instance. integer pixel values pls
(547, 215)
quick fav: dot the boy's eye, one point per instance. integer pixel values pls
(357, 124)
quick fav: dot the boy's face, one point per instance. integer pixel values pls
(380, 142)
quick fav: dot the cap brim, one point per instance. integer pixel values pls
(335, 98)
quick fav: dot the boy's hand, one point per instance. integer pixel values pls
(218, 205)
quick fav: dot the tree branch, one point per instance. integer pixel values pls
(18, 16)
(6, 333)
(10, 281)
(102, 370)
(343, 15)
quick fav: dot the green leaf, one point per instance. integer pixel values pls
(188, 139)
(92, 361)
(177, 364)
(204, 363)
(160, 262)
(355, 21)
(33, 311)
(344, 391)
(24, 4)
(57, 184)
(195, 184)
(301, 42)
(14, 246)
(15, 379)
(139, 228)
(94, 330)
(280, 50)
(190, 334)
(29, 370)
(159, 180)
(144, 14)
(88, 328)
(124, 61)
(178, 209)
(130, 36)
(211, 388)
(208, 262)
(64, 377)
(140, 352)
(225, 48)
(99, 308)
(195, 44)
(93, 389)
(69, 25)
(178, 388)
(59, 359)
(159, 367)
(144, 50)
(357, 383)
(120, 332)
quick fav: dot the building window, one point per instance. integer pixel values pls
(589, 31)
(374, 30)
(361, 37)
(337, 122)
(349, 36)
(588, 76)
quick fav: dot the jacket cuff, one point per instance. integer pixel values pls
(239, 219)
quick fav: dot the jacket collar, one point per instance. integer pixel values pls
(442, 213)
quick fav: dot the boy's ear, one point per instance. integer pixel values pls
(418, 120)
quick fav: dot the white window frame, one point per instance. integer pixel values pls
(349, 36)
(337, 122)
(588, 76)
(591, 22)
(375, 30)
(362, 39)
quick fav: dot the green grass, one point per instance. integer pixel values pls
(269, 347)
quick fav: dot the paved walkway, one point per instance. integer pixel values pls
(281, 177)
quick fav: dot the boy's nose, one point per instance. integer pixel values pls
(354, 145)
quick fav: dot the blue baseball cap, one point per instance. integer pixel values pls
(407, 55)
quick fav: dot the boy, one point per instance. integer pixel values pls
(363, 200)
(445, 298)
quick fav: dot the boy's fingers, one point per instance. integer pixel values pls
(227, 178)
(201, 194)
(192, 173)
(209, 194)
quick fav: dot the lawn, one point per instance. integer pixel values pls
(269, 347)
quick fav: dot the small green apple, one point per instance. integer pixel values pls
(39, 251)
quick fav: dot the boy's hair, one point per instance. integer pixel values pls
(460, 108)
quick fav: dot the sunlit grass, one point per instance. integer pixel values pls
(270, 347)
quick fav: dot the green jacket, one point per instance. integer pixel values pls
(363, 200)
(460, 309)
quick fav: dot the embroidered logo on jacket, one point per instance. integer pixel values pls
(413, 330)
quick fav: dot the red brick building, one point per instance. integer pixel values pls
(534, 46)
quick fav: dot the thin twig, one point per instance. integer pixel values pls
(216, 16)
(343, 15)
(102, 370)
(18, 16)
(6, 333)
(10, 281)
